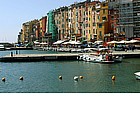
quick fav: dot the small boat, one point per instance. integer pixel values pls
(101, 57)
(137, 74)
(2, 48)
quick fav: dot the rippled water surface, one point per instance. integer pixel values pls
(43, 76)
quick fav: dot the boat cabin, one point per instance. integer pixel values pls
(2, 47)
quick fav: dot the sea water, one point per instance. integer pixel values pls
(43, 77)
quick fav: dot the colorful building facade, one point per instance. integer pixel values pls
(89, 20)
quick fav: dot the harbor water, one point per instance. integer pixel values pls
(43, 77)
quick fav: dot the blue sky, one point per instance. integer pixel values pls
(15, 12)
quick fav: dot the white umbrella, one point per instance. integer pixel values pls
(36, 42)
(65, 43)
(43, 43)
(122, 42)
(72, 43)
(58, 42)
(103, 49)
(75, 43)
(134, 41)
(112, 42)
(98, 42)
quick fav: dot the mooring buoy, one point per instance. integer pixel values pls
(3, 79)
(60, 77)
(81, 77)
(21, 78)
(113, 78)
(76, 78)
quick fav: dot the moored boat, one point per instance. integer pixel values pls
(103, 56)
(137, 75)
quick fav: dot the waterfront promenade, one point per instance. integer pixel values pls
(59, 57)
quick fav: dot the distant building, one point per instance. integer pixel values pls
(29, 31)
(25, 36)
(102, 22)
(126, 25)
(136, 18)
(42, 29)
(51, 33)
(86, 21)
(61, 22)
(20, 36)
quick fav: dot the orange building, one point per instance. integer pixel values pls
(102, 21)
(42, 28)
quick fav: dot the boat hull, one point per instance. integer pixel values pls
(99, 59)
(137, 75)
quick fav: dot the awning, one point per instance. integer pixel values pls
(43, 43)
(75, 43)
(36, 42)
(72, 43)
(134, 41)
(112, 42)
(98, 42)
(58, 42)
(122, 42)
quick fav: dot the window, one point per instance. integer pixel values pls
(93, 31)
(100, 25)
(62, 25)
(103, 18)
(103, 4)
(100, 33)
(112, 17)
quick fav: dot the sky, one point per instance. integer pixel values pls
(13, 13)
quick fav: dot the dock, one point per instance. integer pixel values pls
(38, 57)
(128, 54)
(59, 57)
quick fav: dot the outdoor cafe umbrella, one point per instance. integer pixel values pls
(134, 41)
(122, 42)
(75, 43)
(72, 43)
(98, 42)
(36, 42)
(58, 42)
(66, 43)
(43, 43)
(112, 42)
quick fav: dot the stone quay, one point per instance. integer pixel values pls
(59, 57)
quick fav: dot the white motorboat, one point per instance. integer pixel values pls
(137, 74)
(101, 57)
(106, 59)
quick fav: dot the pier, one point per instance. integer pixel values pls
(38, 57)
(59, 57)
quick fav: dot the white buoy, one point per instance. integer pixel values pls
(76, 78)
(60, 77)
(21, 78)
(3, 79)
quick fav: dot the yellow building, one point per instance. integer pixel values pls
(25, 29)
(61, 21)
(92, 21)
(102, 20)
(29, 31)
